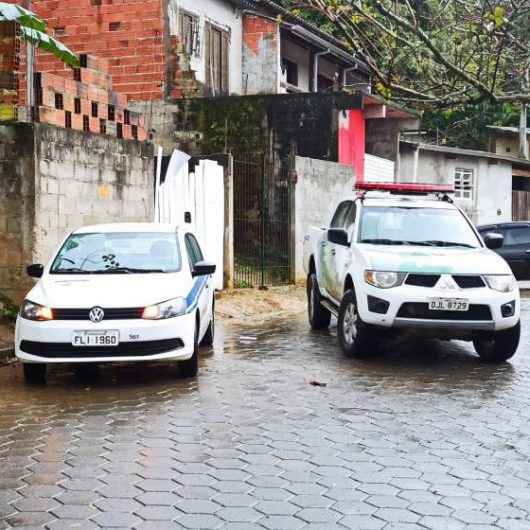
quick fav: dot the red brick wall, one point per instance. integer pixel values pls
(129, 33)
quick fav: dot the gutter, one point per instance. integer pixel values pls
(315, 68)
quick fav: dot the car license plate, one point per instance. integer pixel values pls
(448, 304)
(102, 337)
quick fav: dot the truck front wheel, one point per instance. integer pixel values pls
(498, 346)
(319, 316)
(356, 338)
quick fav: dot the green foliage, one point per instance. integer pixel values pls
(8, 311)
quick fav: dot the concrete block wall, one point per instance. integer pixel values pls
(54, 180)
(261, 55)
(320, 186)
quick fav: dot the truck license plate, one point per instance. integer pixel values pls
(448, 304)
(102, 337)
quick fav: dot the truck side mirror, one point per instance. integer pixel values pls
(493, 240)
(339, 236)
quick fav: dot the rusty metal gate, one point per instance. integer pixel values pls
(520, 205)
(263, 220)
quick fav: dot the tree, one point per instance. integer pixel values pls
(435, 53)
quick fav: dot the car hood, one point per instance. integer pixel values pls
(442, 260)
(109, 290)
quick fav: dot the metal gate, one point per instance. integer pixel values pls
(263, 225)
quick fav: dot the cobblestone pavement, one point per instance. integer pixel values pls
(420, 436)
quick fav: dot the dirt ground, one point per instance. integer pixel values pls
(258, 306)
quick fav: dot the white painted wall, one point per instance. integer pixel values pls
(320, 186)
(300, 56)
(222, 14)
(493, 182)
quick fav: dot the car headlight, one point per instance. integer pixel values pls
(504, 283)
(32, 311)
(383, 279)
(171, 308)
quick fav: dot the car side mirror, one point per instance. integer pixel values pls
(339, 236)
(493, 240)
(35, 271)
(203, 268)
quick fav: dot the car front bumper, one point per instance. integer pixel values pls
(140, 340)
(485, 316)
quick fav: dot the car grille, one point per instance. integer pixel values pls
(422, 280)
(421, 310)
(430, 280)
(124, 313)
(469, 282)
(54, 350)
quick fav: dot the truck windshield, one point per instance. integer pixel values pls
(397, 225)
(118, 252)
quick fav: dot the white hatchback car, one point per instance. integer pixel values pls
(118, 292)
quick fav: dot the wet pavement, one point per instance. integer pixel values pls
(420, 436)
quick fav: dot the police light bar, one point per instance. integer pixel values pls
(404, 187)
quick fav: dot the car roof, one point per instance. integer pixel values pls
(509, 224)
(127, 227)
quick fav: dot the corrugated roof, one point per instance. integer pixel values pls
(510, 130)
(468, 152)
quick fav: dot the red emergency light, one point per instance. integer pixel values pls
(404, 187)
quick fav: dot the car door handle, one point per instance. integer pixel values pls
(527, 251)
(333, 251)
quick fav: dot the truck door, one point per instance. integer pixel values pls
(328, 251)
(342, 254)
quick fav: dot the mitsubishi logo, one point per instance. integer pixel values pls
(96, 314)
(446, 283)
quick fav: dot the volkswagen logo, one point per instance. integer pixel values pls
(96, 314)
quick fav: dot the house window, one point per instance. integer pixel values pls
(464, 184)
(217, 44)
(290, 71)
(189, 34)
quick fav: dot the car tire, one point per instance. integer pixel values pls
(209, 336)
(34, 373)
(499, 346)
(319, 316)
(356, 338)
(190, 367)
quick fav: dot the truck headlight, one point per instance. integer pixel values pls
(170, 309)
(32, 311)
(504, 283)
(383, 279)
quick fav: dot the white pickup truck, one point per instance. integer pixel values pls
(390, 261)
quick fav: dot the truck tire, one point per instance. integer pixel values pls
(498, 346)
(356, 338)
(319, 316)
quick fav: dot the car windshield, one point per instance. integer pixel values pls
(397, 225)
(118, 252)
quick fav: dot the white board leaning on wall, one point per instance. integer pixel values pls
(200, 193)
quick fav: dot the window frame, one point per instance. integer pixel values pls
(459, 182)
(347, 207)
(190, 241)
(191, 38)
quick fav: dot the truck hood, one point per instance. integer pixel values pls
(107, 291)
(442, 260)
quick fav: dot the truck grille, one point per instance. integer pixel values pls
(421, 310)
(469, 282)
(422, 280)
(54, 350)
(124, 313)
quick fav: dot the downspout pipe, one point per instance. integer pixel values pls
(315, 68)
(345, 73)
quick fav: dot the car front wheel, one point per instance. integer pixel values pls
(34, 373)
(356, 338)
(498, 346)
(190, 367)
(209, 336)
